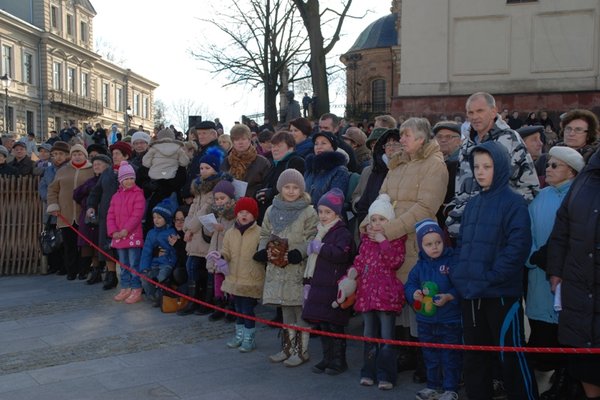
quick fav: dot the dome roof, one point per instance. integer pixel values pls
(381, 33)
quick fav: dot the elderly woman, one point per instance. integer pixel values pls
(301, 129)
(563, 165)
(416, 183)
(574, 263)
(243, 162)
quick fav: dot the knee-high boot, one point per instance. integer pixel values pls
(338, 362)
(407, 359)
(83, 267)
(193, 291)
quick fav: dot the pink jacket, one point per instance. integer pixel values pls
(126, 212)
(378, 289)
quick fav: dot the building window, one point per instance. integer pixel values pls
(378, 95)
(84, 84)
(83, 28)
(105, 95)
(70, 27)
(119, 99)
(28, 68)
(146, 107)
(10, 116)
(57, 76)
(136, 104)
(30, 125)
(7, 60)
(54, 17)
(71, 79)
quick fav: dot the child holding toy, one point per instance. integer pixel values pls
(379, 294)
(430, 292)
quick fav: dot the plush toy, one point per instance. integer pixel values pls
(426, 306)
(346, 294)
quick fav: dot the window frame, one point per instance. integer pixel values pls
(84, 82)
(57, 80)
(28, 68)
(71, 80)
(7, 60)
(378, 95)
(70, 25)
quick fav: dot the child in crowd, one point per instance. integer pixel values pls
(330, 254)
(165, 156)
(244, 277)
(379, 294)
(124, 226)
(494, 244)
(432, 295)
(223, 209)
(179, 273)
(159, 256)
(289, 223)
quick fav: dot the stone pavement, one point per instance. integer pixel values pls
(66, 340)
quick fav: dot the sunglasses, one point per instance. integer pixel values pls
(553, 165)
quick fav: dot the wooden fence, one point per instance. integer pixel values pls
(20, 225)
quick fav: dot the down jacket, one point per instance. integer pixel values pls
(574, 256)
(164, 157)
(495, 237)
(125, 212)
(60, 191)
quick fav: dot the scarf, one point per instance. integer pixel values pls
(284, 213)
(239, 162)
(311, 262)
(225, 211)
(243, 228)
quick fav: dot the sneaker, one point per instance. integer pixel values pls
(499, 392)
(385, 385)
(448, 395)
(366, 382)
(428, 394)
(122, 295)
(134, 297)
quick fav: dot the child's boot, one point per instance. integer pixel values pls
(327, 344)
(123, 294)
(249, 342)
(338, 362)
(135, 296)
(287, 336)
(300, 353)
(238, 338)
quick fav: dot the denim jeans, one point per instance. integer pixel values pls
(158, 273)
(131, 258)
(443, 366)
(245, 305)
(379, 359)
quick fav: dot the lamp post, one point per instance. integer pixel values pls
(128, 116)
(6, 81)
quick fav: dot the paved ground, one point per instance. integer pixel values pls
(66, 340)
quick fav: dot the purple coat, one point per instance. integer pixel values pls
(334, 259)
(80, 195)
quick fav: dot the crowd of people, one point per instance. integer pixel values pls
(450, 233)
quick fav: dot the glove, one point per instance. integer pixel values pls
(260, 256)
(294, 257)
(213, 256)
(314, 247)
(305, 291)
(540, 257)
(263, 195)
(222, 266)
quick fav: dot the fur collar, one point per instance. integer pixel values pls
(325, 161)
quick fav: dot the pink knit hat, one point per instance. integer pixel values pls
(125, 171)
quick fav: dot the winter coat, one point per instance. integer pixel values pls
(157, 241)
(378, 288)
(332, 263)
(60, 191)
(542, 212)
(216, 240)
(23, 167)
(164, 157)
(495, 237)
(417, 186)
(255, 173)
(523, 177)
(99, 199)
(437, 271)
(80, 195)
(574, 256)
(7, 170)
(305, 148)
(363, 157)
(324, 172)
(246, 276)
(283, 286)
(125, 212)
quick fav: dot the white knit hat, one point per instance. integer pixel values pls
(569, 156)
(382, 206)
(140, 135)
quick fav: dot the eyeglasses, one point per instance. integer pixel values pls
(444, 138)
(553, 165)
(578, 130)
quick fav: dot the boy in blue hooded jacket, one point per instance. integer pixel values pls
(494, 243)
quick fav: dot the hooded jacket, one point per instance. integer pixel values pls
(495, 236)
(164, 157)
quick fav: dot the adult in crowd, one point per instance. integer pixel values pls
(66, 133)
(53, 138)
(88, 135)
(225, 142)
(243, 162)
(545, 121)
(60, 201)
(563, 166)
(284, 157)
(29, 141)
(580, 132)
(100, 135)
(533, 138)
(385, 121)
(531, 119)
(114, 135)
(416, 183)
(140, 141)
(486, 125)
(574, 262)
(357, 140)
(43, 161)
(5, 168)
(22, 162)
(306, 105)
(326, 169)
(331, 123)
(264, 144)
(301, 129)
(514, 122)
(292, 109)
(205, 135)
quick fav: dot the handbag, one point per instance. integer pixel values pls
(50, 238)
(172, 304)
(277, 249)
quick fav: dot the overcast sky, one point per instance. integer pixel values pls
(154, 38)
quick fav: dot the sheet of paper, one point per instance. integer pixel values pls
(208, 221)
(557, 299)
(240, 188)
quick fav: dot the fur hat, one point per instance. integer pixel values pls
(246, 204)
(78, 147)
(60, 146)
(104, 158)
(166, 209)
(126, 171)
(226, 187)
(98, 148)
(291, 175)
(382, 206)
(4, 151)
(141, 135)
(356, 135)
(333, 199)
(569, 156)
(123, 147)
(327, 135)
(164, 134)
(424, 227)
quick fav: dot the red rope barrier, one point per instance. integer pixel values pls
(554, 350)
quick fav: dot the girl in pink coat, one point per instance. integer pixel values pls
(379, 293)
(124, 226)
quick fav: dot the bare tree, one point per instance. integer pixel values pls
(183, 108)
(160, 111)
(265, 41)
(110, 52)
